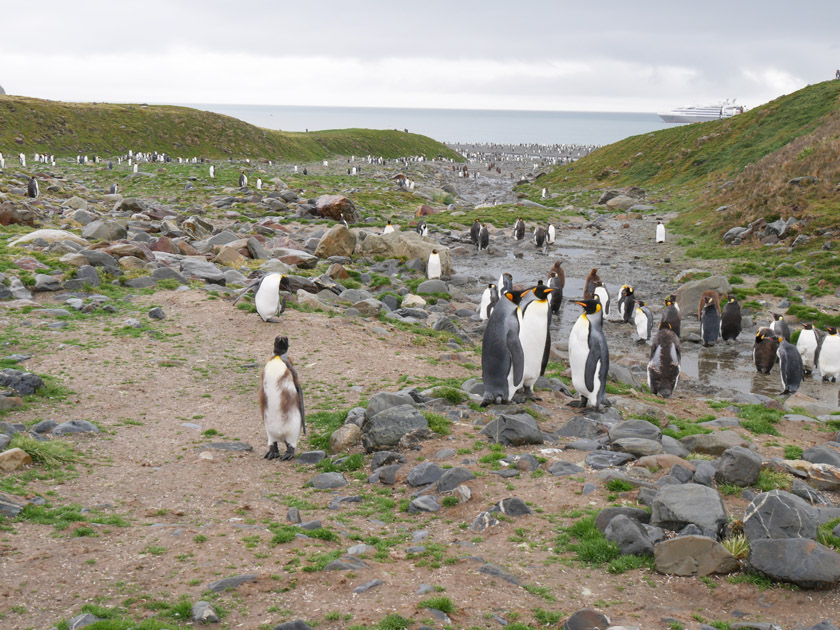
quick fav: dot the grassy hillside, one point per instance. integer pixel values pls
(34, 125)
(744, 162)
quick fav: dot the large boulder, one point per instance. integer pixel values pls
(712, 443)
(739, 466)
(688, 295)
(51, 236)
(14, 214)
(801, 561)
(406, 245)
(779, 514)
(676, 506)
(337, 241)
(630, 535)
(337, 206)
(384, 430)
(104, 230)
(693, 556)
(635, 428)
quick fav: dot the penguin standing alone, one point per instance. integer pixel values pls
(660, 232)
(422, 229)
(807, 345)
(828, 357)
(267, 295)
(433, 265)
(710, 323)
(663, 369)
(502, 359)
(243, 180)
(730, 320)
(281, 402)
(212, 172)
(644, 321)
(589, 357)
(32, 189)
(388, 228)
(764, 350)
(790, 366)
(535, 337)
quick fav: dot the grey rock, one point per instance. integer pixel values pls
(385, 474)
(432, 286)
(712, 443)
(75, 426)
(582, 427)
(512, 507)
(232, 582)
(607, 459)
(499, 572)
(202, 269)
(693, 556)
(629, 534)
(367, 586)
(586, 619)
(165, 273)
(157, 313)
(739, 466)
(386, 400)
(452, 478)
(104, 230)
(11, 506)
(704, 473)
(607, 514)
(424, 473)
(425, 503)
(673, 446)
(327, 480)
(676, 506)
(310, 457)
(81, 621)
(293, 515)
(483, 521)
(297, 624)
(639, 447)
(822, 455)
(203, 612)
(513, 430)
(346, 563)
(385, 429)
(779, 514)
(688, 295)
(44, 282)
(24, 383)
(809, 494)
(561, 468)
(241, 447)
(385, 458)
(800, 561)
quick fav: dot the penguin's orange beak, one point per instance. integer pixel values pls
(581, 304)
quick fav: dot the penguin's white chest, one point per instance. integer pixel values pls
(641, 323)
(660, 233)
(267, 298)
(485, 302)
(532, 337)
(602, 294)
(830, 356)
(433, 266)
(807, 346)
(281, 413)
(578, 353)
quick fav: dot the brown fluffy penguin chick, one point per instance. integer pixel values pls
(711, 293)
(281, 402)
(764, 350)
(589, 286)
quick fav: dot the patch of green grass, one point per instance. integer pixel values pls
(761, 582)
(62, 517)
(438, 423)
(540, 591)
(50, 454)
(825, 535)
(321, 425)
(450, 501)
(793, 452)
(629, 562)
(737, 545)
(547, 617)
(452, 395)
(759, 419)
(772, 480)
(619, 485)
(444, 604)
(728, 489)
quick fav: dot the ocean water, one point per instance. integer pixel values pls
(454, 125)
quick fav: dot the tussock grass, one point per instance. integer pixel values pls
(50, 454)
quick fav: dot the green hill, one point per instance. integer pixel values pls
(39, 126)
(745, 162)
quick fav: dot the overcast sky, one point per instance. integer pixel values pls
(541, 54)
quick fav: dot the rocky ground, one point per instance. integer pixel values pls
(409, 502)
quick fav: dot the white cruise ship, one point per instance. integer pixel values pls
(702, 113)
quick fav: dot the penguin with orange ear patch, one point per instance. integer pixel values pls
(281, 402)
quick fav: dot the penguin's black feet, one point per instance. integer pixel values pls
(577, 404)
(273, 452)
(289, 454)
(273, 320)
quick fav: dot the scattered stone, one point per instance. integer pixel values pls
(326, 481)
(203, 612)
(24, 383)
(561, 468)
(346, 563)
(13, 459)
(779, 514)
(712, 443)
(607, 459)
(297, 624)
(385, 429)
(629, 534)
(424, 473)
(801, 561)
(739, 466)
(513, 430)
(344, 438)
(424, 504)
(676, 506)
(607, 514)
(367, 586)
(693, 556)
(231, 582)
(635, 428)
(483, 521)
(452, 478)
(512, 507)
(587, 619)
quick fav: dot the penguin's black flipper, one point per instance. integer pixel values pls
(254, 286)
(299, 390)
(282, 305)
(547, 349)
(517, 356)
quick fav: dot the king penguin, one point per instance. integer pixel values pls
(535, 337)
(602, 294)
(710, 323)
(32, 189)
(780, 327)
(502, 359)
(388, 228)
(627, 305)
(475, 230)
(433, 265)
(790, 366)
(243, 180)
(644, 321)
(556, 283)
(113, 189)
(281, 402)
(506, 283)
(519, 229)
(422, 229)
(589, 357)
(730, 320)
(267, 296)
(764, 350)
(828, 357)
(212, 172)
(663, 369)
(671, 315)
(488, 301)
(807, 345)
(539, 236)
(660, 232)
(550, 234)
(483, 238)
